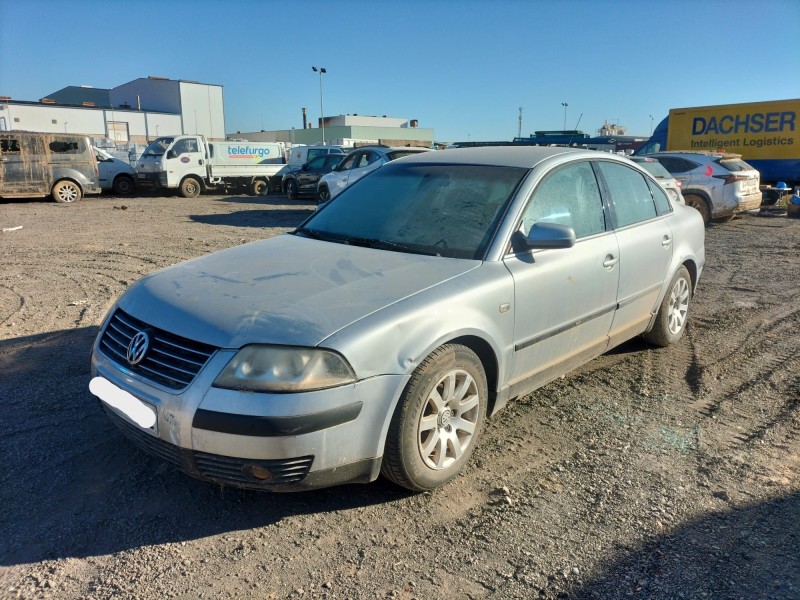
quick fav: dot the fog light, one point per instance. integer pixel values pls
(259, 472)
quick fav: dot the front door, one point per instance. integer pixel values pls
(564, 298)
(186, 156)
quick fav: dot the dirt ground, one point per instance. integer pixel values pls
(648, 473)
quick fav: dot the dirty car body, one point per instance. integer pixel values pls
(378, 336)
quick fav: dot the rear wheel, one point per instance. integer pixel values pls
(66, 191)
(672, 314)
(438, 420)
(190, 188)
(260, 187)
(123, 185)
(291, 189)
(700, 205)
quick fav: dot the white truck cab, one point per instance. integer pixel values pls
(192, 164)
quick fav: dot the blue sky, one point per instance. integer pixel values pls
(461, 68)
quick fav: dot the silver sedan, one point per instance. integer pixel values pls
(380, 334)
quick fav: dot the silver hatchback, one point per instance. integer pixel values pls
(379, 335)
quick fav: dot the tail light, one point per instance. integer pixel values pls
(726, 179)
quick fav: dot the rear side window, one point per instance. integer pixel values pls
(630, 194)
(568, 196)
(660, 197)
(65, 147)
(9, 146)
(674, 164)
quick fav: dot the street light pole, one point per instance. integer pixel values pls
(651, 125)
(565, 105)
(321, 70)
(65, 126)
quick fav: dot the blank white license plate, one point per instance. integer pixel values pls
(142, 413)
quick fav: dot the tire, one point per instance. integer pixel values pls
(66, 191)
(700, 205)
(123, 185)
(323, 195)
(291, 189)
(438, 420)
(670, 322)
(190, 188)
(260, 187)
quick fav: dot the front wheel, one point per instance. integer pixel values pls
(190, 188)
(66, 191)
(438, 420)
(123, 185)
(323, 195)
(672, 314)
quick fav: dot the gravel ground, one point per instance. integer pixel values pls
(647, 473)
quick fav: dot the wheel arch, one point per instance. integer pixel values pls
(486, 354)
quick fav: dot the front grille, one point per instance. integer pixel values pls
(235, 471)
(171, 360)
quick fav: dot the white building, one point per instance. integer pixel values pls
(134, 112)
(349, 131)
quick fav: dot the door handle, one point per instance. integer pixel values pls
(200, 162)
(666, 241)
(610, 261)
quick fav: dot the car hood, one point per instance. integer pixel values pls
(286, 290)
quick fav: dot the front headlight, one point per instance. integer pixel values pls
(260, 368)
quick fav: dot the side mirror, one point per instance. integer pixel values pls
(172, 154)
(545, 236)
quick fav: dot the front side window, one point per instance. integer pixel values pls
(630, 194)
(445, 210)
(567, 196)
(349, 161)
(184, 146)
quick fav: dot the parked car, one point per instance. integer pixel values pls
(664, 177)
(32, 164)
(298, 156)
(115, 175)
(355, 165)
(303, 181)
(718, 185)
(379, 335)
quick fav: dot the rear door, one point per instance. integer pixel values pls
(645, 247)
(23, 165)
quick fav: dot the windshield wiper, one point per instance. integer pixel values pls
(363, 242)
(313, 233)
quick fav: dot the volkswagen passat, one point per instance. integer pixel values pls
(379, 335)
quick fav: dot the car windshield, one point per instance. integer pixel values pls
(157, 147)
(656, 169)
(435, 209)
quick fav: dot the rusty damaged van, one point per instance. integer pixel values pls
(61, 165)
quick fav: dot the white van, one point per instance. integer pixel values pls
(115, 175)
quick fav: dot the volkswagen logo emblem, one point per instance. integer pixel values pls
(138, 348)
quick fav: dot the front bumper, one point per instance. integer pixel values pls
(276, 442)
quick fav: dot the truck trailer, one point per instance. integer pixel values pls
(192, 164)
(766, 135)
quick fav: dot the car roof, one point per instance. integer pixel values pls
(508, 156)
